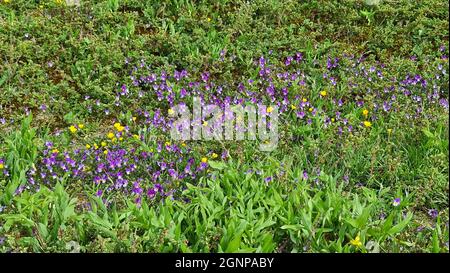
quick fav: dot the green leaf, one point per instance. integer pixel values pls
(233, 246)
(218, 165)
(400, 226)
(42, 229)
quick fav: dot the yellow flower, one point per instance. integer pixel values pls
(183, 144)
(88, 146)
(332, 119)
(356, 242)
(167, 143)
(105, 152)
(110, 135)
(204, 159)
(365, 112)
(136, 136)
(209, 19)
(120, 138)
(55, 151)
(367, 123)
(81, 125)
(120, 128)
(323, 93)
(389, 131)
(95, 146)
(310, 109)
(134, 118)
(117, 125)
(293, 107)
(214, 155)
(205, 123)
(114, 139)
(72, 129)
(170, 111)
(304, 100)
(2, 166)
(103, 144)
(269, 109)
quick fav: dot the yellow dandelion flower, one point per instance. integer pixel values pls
(269, 109)
(183, 144)
(332, 119)
(293, 107)
(110, 135)
(134, 118)
(365, 112)
(310, 109)
(81, 125)
(95, 146)
(105, 152)
(356, 242)
(204, 159)
(389, 131)
(120, 128)
(214, 155)
(167, 143)
(304, 100)
(170, 111)
(209, 19)
(367, 124)
(205, 123)
(323, 93)
(55, 151)
(2, 166)
(72, 129)
(120, 138)
(88, 146)
(117, 125)
(103, 144)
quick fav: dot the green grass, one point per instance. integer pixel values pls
(72, 61)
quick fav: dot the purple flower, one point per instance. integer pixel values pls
(288, 60)
(151, 193)
(305, 175)
(301, 114)
(346, 179)
(433, 213)
(396, 202)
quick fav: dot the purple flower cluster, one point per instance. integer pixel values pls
(144, 172)
(119, 169)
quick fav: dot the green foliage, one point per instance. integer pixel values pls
(69, 58)
(21, 155)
